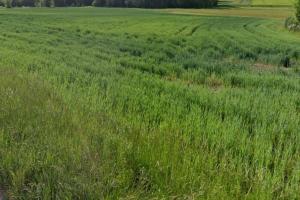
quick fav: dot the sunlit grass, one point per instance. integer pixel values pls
(273, 2)
(259, 12)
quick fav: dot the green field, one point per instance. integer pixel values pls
(142, 104)
(272, 2)
(257, 12)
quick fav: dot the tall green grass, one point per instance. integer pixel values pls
(136, 104)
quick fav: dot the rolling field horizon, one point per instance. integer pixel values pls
(280, 13)
(258, 3)
(112, 103)
(273, 2)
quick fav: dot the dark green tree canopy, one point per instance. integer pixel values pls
(112, 3)
(298, 10)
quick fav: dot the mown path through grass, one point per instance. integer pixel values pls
(110, 103)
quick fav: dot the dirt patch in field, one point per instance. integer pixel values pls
(263, 67)
(214, 83)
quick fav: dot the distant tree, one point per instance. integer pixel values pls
(59, 3)
(28, 3)
(83, 2)
(48, 3)
(87, 2)
(133, 3)
(14, 3)
(8, 3)
(38, 3)
(99, 3)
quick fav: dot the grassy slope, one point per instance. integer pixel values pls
(272, 2)
(138, 104)
(258, 12)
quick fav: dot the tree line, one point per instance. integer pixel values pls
(112, 3)
(156, 3)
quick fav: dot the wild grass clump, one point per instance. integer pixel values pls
(285, 62)
(292, 24)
